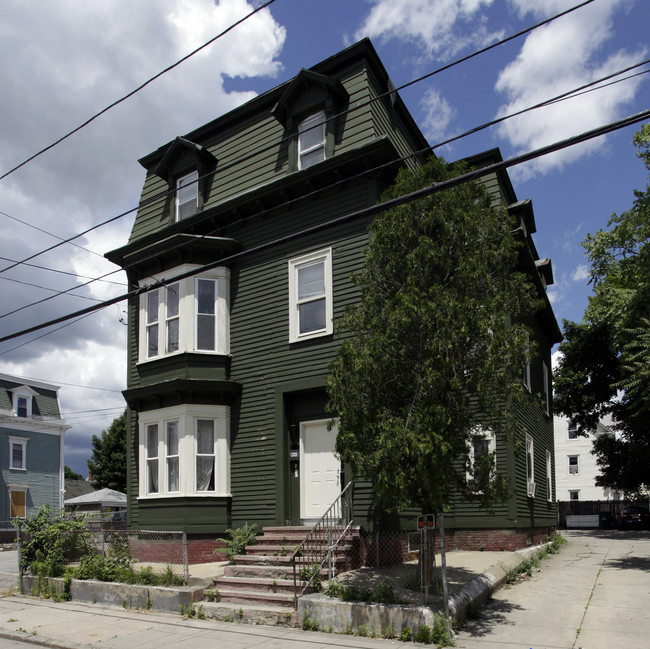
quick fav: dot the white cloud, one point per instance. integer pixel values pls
(553, 59)
(437, 115)
(580, 273)
(440, 28)
(62, 62)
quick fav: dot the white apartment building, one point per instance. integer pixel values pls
(575, 466)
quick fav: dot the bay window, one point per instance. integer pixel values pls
(191, 315)
(191, 457)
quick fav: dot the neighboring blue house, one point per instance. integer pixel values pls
(31, 448)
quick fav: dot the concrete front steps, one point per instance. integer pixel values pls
(259, 586)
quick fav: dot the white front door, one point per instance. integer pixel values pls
(320, 474)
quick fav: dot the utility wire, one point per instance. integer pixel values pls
(56, 236)
(67, 272)
(365, 212)
(136, 90)
(45, 288)
(357, 106)
(589, 87)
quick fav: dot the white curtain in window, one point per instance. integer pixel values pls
(205, 455)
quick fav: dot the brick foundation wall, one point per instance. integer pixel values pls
(494, 540)
(203, 551)
(155, 551)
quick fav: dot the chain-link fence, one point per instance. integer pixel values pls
(385, 563)
(106, 551)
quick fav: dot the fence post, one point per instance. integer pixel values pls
(20, 563)
(186, 567)
(377, 549)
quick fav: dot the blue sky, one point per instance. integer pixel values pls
(64, 61)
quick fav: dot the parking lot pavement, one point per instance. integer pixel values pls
(594, 594)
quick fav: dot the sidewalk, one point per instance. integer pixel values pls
(73, 624)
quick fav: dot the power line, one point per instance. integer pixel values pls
(45, 288)
(56, 236)
(570, 94)
(136, 90)
(365, 212)
(66, 272)
(357, 106)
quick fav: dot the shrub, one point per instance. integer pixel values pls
(48, 542)
(240, 537)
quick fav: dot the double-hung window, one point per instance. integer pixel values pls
(172, 319)
(574, 464)
(573, 431)
(205, 455)
(311, 140)
(18, 453)
(152, 451)
(171, 451)
(153, 328)
(546, 389)
(187, 195)
(206, 314)
(531, 487)
(310, 295)
(482, 458)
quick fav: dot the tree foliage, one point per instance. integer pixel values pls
(433, 345)
(605, 369)
(69, 474)
(107, 465)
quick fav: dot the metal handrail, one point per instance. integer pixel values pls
(308, 558)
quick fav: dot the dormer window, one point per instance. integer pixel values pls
(22, 401)
(311, 140)
(308, 111)
(187, 195)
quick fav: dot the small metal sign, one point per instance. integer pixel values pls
(426, 521)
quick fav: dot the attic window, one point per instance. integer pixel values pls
(22, 401)
(187, 195)
(311, 140)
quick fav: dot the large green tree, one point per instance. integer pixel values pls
(434, 349)
(605, 368)
(107, 466)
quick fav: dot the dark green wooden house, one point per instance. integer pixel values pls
(242, 219)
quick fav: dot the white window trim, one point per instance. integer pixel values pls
(531, 486)
(16, 489)
(320, 115)
(186, 313)
(546, 389)
(190, 180)
(18, 441)
(577, 464)
(574, 491)
(549, 476)
(186, 415)
(492, 447)
(294, 317)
